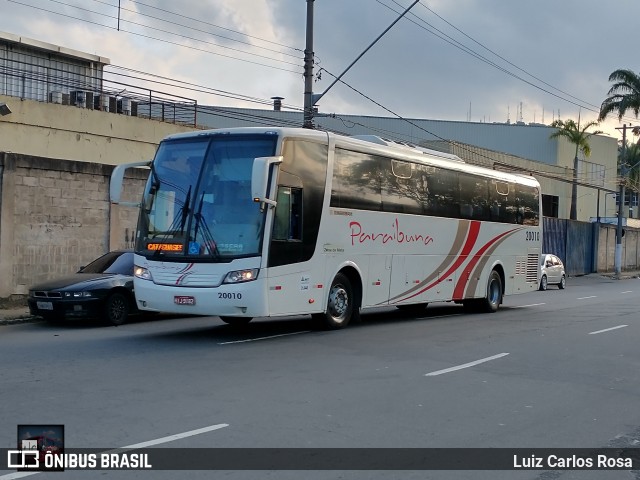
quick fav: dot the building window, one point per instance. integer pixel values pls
(550, 205)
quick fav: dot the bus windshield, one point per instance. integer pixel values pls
(197, 202)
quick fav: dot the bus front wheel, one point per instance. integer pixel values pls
(340, 304)
(492, 301)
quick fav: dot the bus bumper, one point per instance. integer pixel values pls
(247, 299)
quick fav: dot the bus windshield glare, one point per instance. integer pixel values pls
(197, 203)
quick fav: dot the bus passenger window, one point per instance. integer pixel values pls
(288, 217)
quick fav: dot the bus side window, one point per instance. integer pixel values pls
(288, 216)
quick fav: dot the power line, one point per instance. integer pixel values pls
(188, 27)
(216, 26)
(172, 33)
(443, 36)
(155, 38)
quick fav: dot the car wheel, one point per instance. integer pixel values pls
(543, 283)
(492, 301)
(563, 283)
(413, 309)
(116, 308)
(340, 305)
(236, 321)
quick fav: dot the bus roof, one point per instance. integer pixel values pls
(373, 144)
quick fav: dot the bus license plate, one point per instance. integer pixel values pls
(184, 300)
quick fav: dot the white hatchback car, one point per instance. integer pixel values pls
(552, 272)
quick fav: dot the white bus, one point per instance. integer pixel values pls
(265, 222)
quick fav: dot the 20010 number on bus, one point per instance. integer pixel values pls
(230, 296)
(533, 236)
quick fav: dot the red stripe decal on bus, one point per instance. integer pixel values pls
(472, 237)
(185, 272)
(456, 246)
(459, 288)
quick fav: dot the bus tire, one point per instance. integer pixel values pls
(340, 304)
(492, 301)
(413, 309)
(236, 321)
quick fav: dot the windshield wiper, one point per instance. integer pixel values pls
(178, 223)
(209, 241)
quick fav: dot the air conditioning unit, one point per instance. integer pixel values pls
(79, 98)
(55, 97)
(101, 102)
(124, 106)
(89, 100)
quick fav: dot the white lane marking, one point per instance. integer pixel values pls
(466, 365)
(531, 305)
(149, 443)
(608, 329)
(628, 291)
(584, 298)
(264, 338)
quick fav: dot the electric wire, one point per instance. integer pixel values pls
(172, 33)
(155, 38)
(185, 26)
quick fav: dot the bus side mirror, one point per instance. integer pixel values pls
(117, 177)
(260, 179)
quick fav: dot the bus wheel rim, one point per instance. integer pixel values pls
(338, 303)
(494, 292)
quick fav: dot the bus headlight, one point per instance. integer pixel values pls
(239, 276)
(142, 273)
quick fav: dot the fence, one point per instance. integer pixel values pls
(80, 86)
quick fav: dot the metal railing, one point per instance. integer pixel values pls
(28, 80)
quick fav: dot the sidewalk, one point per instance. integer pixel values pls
(15, 311)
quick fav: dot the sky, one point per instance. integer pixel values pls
(465, 60)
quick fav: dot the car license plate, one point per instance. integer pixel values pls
(45, 305)
(184, 300)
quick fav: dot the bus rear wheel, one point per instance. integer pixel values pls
(492, 301)
(236, 321)
(340, 304)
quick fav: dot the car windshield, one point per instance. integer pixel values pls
(112, 262)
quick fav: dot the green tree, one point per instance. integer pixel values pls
(630, 159)
(572, 131)
(624, 94)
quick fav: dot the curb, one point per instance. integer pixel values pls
(19, 319)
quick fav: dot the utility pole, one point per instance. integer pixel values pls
(623, 174)
(308, 69)
(309, 98)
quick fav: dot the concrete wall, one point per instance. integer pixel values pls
(607, 248)
(72, 133)
(55, 217)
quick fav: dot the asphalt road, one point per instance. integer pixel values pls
(551, 369)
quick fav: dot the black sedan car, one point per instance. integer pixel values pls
(103, 289)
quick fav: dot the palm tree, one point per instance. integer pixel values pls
(624, 94)
(579, 136)
(631, 160)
